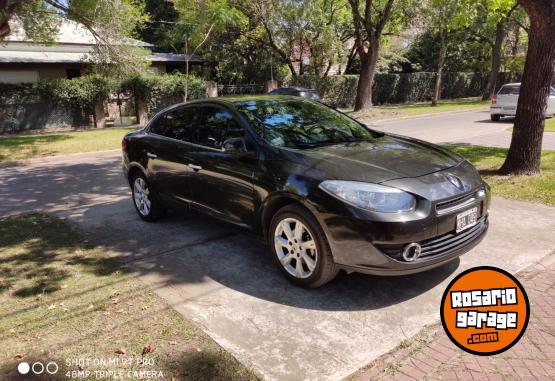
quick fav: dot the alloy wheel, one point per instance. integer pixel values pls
(141, 195)
(295, 248)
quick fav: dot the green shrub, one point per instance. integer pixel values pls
(82, 92)
(164, 90)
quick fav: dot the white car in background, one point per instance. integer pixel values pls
(505, 101)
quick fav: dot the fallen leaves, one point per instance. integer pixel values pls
(148, 349)
(120, 351)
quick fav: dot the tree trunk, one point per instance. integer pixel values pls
(350, 59)
(368, 62)
(495, 60)
(440, 63)
(524, 154)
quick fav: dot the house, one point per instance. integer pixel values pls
(22, 60)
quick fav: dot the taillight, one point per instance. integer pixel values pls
(494, 99)
(124, 144)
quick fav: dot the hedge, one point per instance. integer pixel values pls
(70, 102)
(340, 90)
(160, 91)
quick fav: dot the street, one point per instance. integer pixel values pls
(469, 127)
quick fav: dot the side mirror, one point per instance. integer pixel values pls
(237, 147)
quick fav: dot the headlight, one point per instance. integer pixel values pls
(374, 197)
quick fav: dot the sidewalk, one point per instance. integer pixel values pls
(431, 355)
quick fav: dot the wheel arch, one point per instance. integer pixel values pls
(134, 169)
(275, 203)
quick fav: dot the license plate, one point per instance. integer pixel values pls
(467, 219)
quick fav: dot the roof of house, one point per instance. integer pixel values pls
(7, 56)
(73, 44)
(15, 56)
(69, 32)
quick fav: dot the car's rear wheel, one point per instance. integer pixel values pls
(495, 118)
(300, 247)
(145, 201)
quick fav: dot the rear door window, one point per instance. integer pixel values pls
(180, 124)
(509, 90)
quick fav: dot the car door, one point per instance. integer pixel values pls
(169, 154)
(222, 184)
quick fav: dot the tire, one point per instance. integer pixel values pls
(290, 251)
(142, 196)
(495, 118)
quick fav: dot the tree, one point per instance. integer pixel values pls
(197, 21)
(524, 156)
(444, 16)
(158, 28)
(490, 28)
(370, 21)
(298, 31)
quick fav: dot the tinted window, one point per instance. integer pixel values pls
(179, 124)
(219, 125)
(509, 90)
(301, 123)
(552, 92)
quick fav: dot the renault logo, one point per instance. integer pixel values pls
(455, 181)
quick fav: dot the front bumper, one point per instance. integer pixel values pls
(451, 251)
(360, 242)
(504, 111)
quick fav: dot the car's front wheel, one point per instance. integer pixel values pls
(300, 247)
(146, 204)
(495, 118)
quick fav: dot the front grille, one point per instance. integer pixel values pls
(444, 244)
(448, 206)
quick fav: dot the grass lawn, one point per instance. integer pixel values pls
(443, 106)
(19, 147)
(416, 109)
(550, 125)
(62, 299)
(539, 188)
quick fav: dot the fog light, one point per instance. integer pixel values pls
(411, 252)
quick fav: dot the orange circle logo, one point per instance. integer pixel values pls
(485, 310)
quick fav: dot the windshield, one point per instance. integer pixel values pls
(301, 123)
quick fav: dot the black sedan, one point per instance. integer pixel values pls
(327, 192)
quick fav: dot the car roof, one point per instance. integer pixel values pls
(232, 100)
(512, 84)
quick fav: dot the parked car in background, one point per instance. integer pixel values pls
(327, 192)
(297, 92)
(505, 101)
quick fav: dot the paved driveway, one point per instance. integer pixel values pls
(472, 127)
(222, 278)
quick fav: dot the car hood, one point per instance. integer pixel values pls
(386, 158)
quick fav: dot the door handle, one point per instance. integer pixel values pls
(151, 155)
(195, 167)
